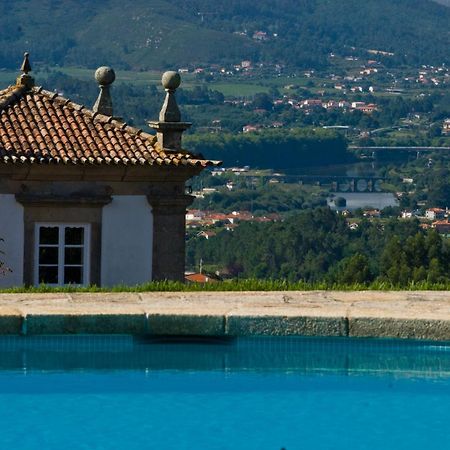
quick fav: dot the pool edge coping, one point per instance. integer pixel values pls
(423, 315)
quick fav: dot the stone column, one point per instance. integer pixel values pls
(169, 228)
(168, 204)
(169, 128)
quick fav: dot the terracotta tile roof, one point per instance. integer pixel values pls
(436, 210)
(38, 126)
(199, 278)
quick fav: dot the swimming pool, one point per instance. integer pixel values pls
(119, 392)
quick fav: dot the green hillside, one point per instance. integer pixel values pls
(144, 34)
(443, 2)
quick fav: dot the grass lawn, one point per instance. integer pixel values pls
(240, 285)
(237, 89)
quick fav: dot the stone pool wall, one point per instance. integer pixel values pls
(404, 314)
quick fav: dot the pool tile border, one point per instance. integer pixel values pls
(399, 328)
(42, 324)
(285, 326)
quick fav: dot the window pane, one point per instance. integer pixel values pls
(49, 235)
(74, 236)
(48, 275)
(73, 256)
(48, 255)
(73, 275)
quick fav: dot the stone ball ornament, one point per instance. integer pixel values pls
(171, 80)
(105, 75)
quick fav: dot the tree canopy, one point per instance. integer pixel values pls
(317, 245)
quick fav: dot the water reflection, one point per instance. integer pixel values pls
(287, 354)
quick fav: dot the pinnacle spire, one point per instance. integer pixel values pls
(26, 66)
(169, 128)
(105, 76)
(25, 80)
(170, 112)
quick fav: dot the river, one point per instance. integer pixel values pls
(355, 200)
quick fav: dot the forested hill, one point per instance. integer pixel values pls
(144, 34)
(443, 2)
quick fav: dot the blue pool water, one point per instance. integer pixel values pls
(292, 393)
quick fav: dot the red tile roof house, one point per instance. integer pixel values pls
(85, 198)
(200, 278)
(442, 226)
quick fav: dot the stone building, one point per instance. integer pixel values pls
(86, 198)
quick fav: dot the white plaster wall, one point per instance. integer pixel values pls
(127, 240)
(12, 231)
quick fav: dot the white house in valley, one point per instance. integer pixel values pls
(86, 198)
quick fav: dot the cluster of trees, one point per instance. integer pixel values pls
(261, 201)
(279, 149)
(432, 187)
(200, 95)
(317, 245)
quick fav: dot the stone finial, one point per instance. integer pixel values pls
(105, 76)
(171, 80)
(25, 79)
(170, 128)
(26, 66)
(169, 112)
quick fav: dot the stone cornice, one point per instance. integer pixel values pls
(27, 199)
(29, 172)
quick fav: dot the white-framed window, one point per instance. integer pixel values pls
(61, 254)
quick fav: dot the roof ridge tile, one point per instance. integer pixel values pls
(8, 95)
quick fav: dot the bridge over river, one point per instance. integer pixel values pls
(400, 149)
(342, 183)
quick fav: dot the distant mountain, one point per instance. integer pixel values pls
(144, 34)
